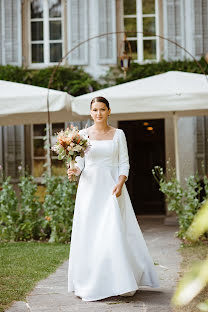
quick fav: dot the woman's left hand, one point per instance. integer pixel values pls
(117, 190)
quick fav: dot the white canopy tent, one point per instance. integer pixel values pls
(170, 94)
(157, 96)
(27, 104)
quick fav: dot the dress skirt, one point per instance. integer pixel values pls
(108, 254)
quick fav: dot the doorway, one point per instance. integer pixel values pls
(146, 147)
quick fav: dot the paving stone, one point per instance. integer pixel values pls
(19, 306)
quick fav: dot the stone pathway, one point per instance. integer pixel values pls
(50, 295)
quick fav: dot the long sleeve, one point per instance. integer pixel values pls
(80, 162)
(123, 155)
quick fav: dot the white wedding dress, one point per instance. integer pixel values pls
(108, 254)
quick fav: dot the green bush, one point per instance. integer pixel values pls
(114, 75)
(58, 208)
(30, 219)
(24, 217)
(8, 211)
(185, 202)
(73, 79)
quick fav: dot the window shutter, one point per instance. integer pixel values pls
(9, 151)
(11, 32)
(13, 150)
(1, 153)
(198, 35)
(201, 27)
(173, 29)
(1, 38)
(19, 146)
(107, 23)
(202, 144)
(205, 25)
(77, 31)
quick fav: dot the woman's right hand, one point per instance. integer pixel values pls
(75, 171)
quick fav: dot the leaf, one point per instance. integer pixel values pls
(61, 149)
(203, 306)
(191, 284)
(60, 157)
(199, 224)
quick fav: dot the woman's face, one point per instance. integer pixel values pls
(99, 112)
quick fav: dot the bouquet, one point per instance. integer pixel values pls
(70, 144)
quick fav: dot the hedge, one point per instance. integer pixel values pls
(73, 80)
(137, 71)
(76, 81)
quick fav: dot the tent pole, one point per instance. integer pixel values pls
(176, 147)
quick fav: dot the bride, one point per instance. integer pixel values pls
(108, 254)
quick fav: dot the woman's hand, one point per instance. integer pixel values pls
(117, 189)
(72, 172)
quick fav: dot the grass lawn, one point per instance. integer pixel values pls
(192, 254)
(23, 264)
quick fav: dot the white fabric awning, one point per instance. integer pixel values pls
(25, 104)
(157, 96)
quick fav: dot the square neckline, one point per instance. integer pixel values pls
(104, 140)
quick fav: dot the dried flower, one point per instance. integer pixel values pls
(70, 144)
(48, 218)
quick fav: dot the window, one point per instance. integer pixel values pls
(40, 151)
(46, 31)
(142, 16)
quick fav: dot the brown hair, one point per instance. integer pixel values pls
(100, 99)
